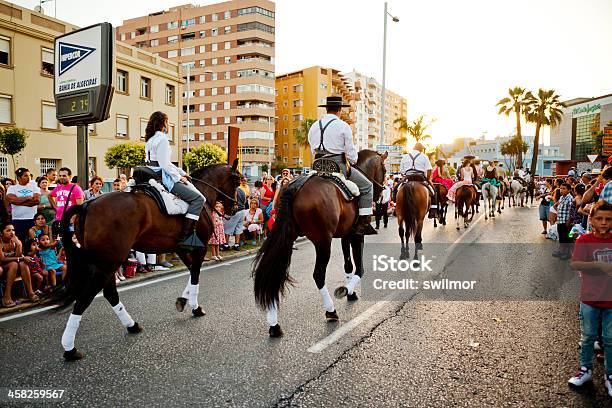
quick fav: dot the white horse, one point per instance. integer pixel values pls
(489, 196)
(518, 190)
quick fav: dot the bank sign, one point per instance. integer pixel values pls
(83, 74)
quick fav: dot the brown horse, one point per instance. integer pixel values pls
(314, 208)
(108, 227)
(441, 193)
(412, 204)
(464, 202)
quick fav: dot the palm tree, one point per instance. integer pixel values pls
(416, 129)
(543, 110)
(515, 103)
(301, 133)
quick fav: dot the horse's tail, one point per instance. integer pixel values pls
(410, 216)
(76, 259)
(271, 264)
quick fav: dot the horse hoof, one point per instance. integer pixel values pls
(340, 292)
(198, 312)
(135, 329)
(353, 297)
(73, 355)
(180, 303)
(458, 228)
(275, 331)
(332, 316)
(493, 215)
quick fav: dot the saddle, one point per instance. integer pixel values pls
(349, 189)
(149, 182)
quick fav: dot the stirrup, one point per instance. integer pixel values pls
(192, 241)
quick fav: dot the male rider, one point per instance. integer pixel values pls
(417, 163)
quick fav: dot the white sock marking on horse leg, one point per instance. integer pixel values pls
(123, 315)
(353, 282)
(70, 331)
(185, 293)
(328, 303)
(272, 314)
(347, 277)
(193, 296)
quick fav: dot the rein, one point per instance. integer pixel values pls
(368, 177)
(214, 188)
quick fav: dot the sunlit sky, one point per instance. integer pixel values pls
(452, 60)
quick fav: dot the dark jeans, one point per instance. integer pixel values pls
(381, 211)
(21, 229)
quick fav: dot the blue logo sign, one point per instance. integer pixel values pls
(70, 55)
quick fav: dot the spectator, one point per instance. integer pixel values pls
(40, 227)
(253, 220)
(286, 174)
(146, 262)
(65, 195)
(12, 263)
(564, 222)
(382, 207)
(244, 186)
(49, 256)
(591, 259)
(37, 266)
(267, 193)
(256, 193)
(545, 202)
(235, 225)
(123, 181)
(117, 185)
(24, 198)
(277, 193)
(218, 236)
(95, 188)
(45, 204)
(51, 175)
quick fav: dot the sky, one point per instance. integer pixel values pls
(452, 60)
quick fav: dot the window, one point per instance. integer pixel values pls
(173, 39)
(213, 91)
(255, 88)
(285, 132)
(228, 45)
(143, 128)
(213, 106)
(172, 53)
(202, 63)
(213, 76)
(5, 50)
(202, 34)
(213, 61)
(227, 29)
(297, 103)
(215, 17)
(215, 47)
(253, 10)
(285, 104)
(170, 94)
(226, 120)
(145, 87)
(226, 90)
(187, 51)
(172, 24)
(122, 36)
(213, 120)
(298, 88)
(226, 75)
(255, 25)
(202, 109)
(285, 89)
(227, 15)
(214, 32)
(132, 35)
(122, 126)
(6, 109)
(188, 36)
(154, 43)
(226, 105)
(188, 23)
(49, 120)
(228, 60)
(48, 164)
(154, 28)
(48, 61)
(202, 19)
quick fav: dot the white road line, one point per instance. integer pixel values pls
(368, 313)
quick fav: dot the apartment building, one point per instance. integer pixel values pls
(368, 111)
(227, 53)
(298, 95)
(144, 83)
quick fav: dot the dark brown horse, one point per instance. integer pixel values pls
(441, 193)
(317, 210)
(412, 205)
(108, 227)
(465, 200)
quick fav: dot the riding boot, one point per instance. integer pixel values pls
(188, 238)
(364, 226)
(434, 207)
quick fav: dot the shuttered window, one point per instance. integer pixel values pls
(6, 111)
(122, 126)
(48, 61)
(49, 120)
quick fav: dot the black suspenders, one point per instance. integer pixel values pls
(322, 129)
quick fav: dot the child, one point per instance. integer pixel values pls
(218, 236)
(49, 257)
(564, 221)
(593, 258)
(37, 267)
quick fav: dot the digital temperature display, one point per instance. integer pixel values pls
(74, 104)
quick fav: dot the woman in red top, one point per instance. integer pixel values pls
(267, 193)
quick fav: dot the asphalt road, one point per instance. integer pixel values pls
(382, 353)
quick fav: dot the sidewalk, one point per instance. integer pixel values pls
(140, 277)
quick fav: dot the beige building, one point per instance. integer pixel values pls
(144, 83)
(229, 51)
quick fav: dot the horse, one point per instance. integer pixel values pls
(441, 193)
(316, 209)
(489, 196)
(465, 197)
(107, 228)
(531, 187)
(517, 189)
(413, 202)
(503, 191)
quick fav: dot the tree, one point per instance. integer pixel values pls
(416, 129)
(301, 133)
(515, 103)
(543, 110)
(12, 142)
(513, 148)
(204, 155)
(125, 156)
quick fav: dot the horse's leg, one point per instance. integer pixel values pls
(485, 198)
(356, 242)
(193, 260)
(83, 300)
(348, 262)
(110, 294)
(323, 250)
(458, 213)
(400, 231)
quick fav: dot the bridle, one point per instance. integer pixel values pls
(212, 208)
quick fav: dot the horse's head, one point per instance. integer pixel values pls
(373, 165)
(225, 179)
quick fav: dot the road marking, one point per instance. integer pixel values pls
(365, 315)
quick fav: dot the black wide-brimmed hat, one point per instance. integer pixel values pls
(334, 102)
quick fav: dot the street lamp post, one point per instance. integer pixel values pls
(188, 101)
(382, 109)
(269, 142)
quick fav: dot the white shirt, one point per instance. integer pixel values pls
(385, 196)
(23, 212)
(158, 149)
(337, 138)
(421, 162)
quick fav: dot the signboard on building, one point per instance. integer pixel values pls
(83, 75)
(606, 141)
(389, 148)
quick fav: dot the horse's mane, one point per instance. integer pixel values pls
(365, 154)
(208, 170)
